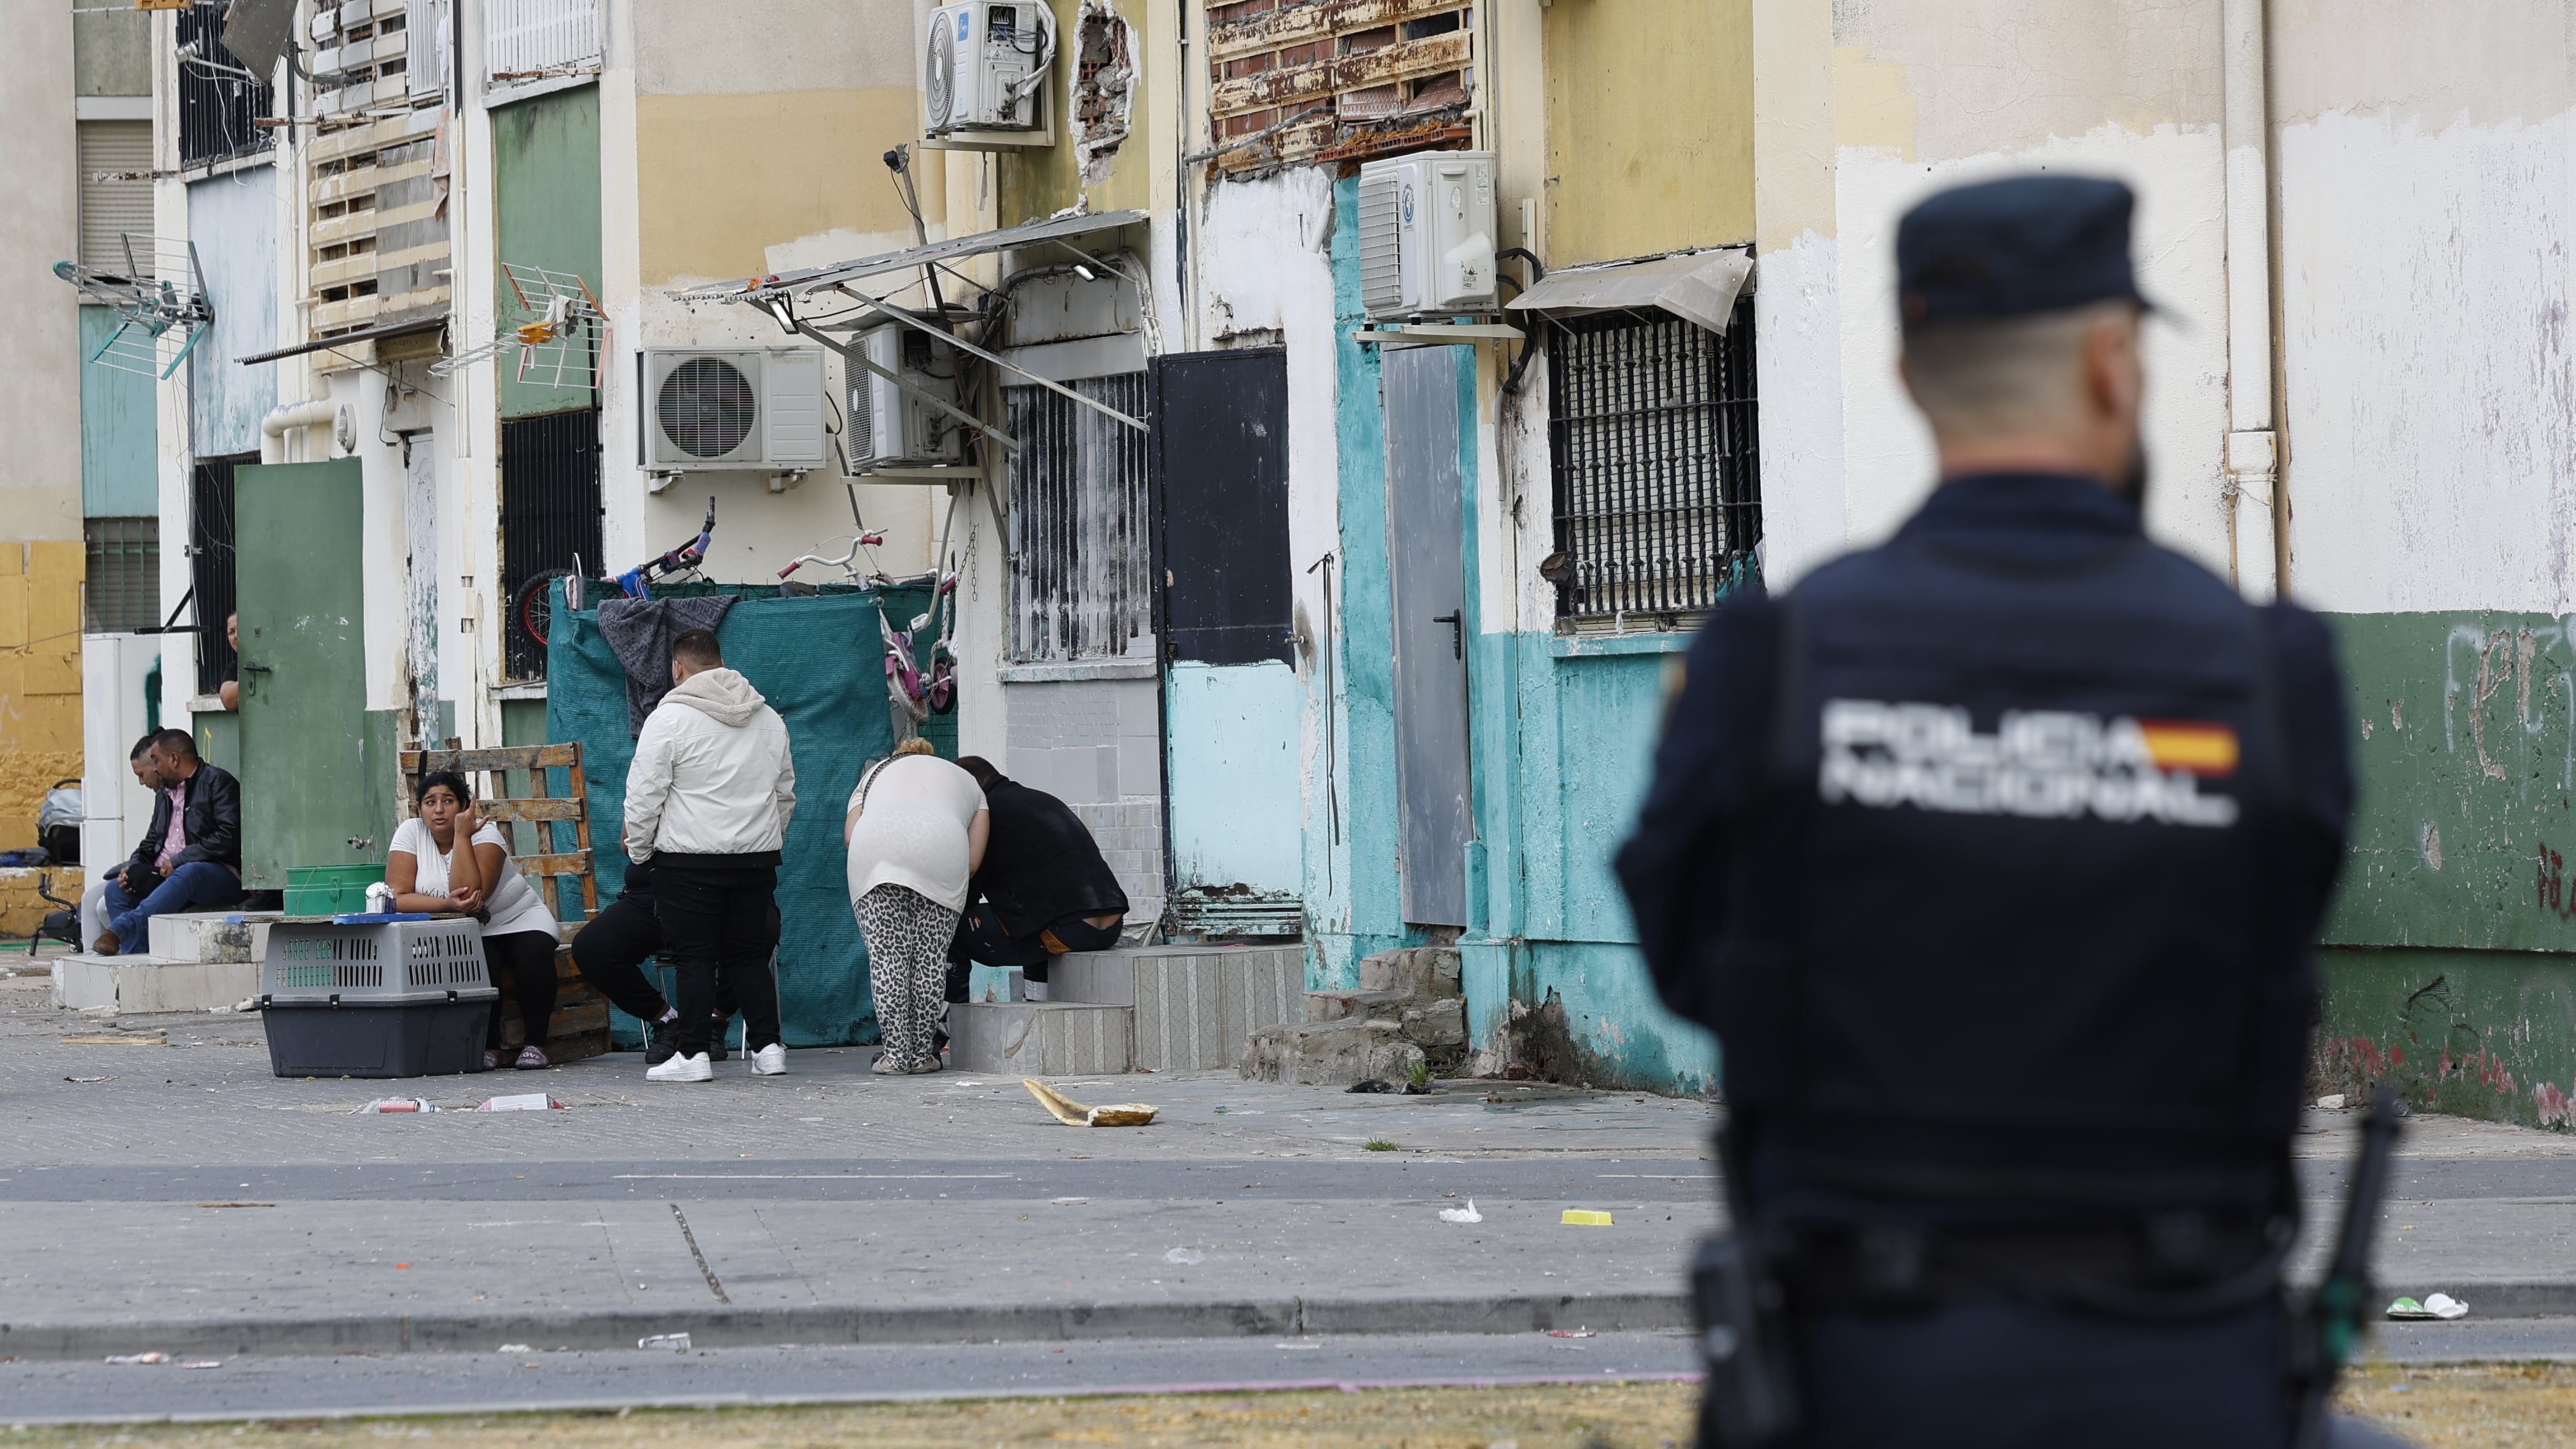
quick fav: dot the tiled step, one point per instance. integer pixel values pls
(1041, 1038)
(152, 983)
(1196, 1006)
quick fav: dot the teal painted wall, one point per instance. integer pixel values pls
(1234, 755)
(120, 432)
(2450, 965)
(545, 170)
(1560, 741)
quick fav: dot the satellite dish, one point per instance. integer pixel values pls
(255, 32)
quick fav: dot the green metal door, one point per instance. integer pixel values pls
(308, 789)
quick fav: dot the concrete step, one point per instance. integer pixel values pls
(1041, 1038)
(1431, 971)
(152, 983)
(1331, 1053)
(1195, 1006)
(210, 936)
(1357, 1005)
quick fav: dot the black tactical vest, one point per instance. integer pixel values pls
(2002, 926)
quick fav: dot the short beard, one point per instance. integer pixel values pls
(2131, 486)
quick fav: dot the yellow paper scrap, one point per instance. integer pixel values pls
(1585, 1218)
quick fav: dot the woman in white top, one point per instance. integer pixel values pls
(915, 829)
(448, 858)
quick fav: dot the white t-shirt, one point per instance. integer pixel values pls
(515, 905)
(913, 832)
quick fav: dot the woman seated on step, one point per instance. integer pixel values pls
(449, 858)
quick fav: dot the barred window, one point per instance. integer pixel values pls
(550, 507)
(218, 97)
(210, 564)
(1657, 481)
(122, 592)
(1081, 553)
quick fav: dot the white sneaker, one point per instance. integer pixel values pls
(683, 1068)
(769, 1061)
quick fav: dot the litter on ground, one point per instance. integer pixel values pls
(523, 1102)
(1185, 1257)
(1467, 1214)
(2435, 1305)
(1074, 1114)
(1585, 1218)
(676, 1342)
(396, 1104)
(138, 1358)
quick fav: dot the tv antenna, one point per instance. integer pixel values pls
(159, 297)
(553, 323)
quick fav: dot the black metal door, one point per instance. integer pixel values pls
(1221, 504)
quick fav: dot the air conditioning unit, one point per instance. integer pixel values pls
(1427, 235)
(749, 408)
(986, 65)
(889, 427)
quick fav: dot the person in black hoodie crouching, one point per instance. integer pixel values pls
(1043, 889)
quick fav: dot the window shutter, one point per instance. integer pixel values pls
(530, 39)
(108, 208)
(428, 31)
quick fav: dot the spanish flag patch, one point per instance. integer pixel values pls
(2195, 746)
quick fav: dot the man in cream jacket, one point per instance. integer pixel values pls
(707, 802)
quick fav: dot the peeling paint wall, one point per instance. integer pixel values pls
(1649, 127)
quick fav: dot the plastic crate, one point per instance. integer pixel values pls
(375, 998)
(374, 963)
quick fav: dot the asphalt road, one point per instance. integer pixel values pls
(274, 1388)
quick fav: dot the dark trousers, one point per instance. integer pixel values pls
(526, 960)
(720, 920)
(981, 937)
(610, 952)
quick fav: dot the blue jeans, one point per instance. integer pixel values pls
(198, 883)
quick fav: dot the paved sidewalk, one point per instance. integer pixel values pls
(189, 1202)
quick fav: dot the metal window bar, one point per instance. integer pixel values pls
(1657, 482)
(210, 564)
(1081, 570)
(550, 510)
(122, 590)
(216, 106)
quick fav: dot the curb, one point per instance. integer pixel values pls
(1291, 1317)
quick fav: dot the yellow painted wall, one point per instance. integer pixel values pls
(722, 178)
(22, 910)
(1649, 127)
(40, 679)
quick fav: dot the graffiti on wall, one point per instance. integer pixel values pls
(2526, 658)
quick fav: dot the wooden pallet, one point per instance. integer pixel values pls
(514, 785)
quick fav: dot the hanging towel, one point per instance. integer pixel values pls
(639, 632)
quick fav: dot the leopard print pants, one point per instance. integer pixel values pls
(907, 936)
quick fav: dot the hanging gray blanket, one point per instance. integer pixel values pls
(639, 632)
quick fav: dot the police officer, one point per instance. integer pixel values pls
(1992, 854)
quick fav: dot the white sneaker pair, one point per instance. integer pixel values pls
(769, 1061)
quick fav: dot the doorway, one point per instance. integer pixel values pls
(1424, 482)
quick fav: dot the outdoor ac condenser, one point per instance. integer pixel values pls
(1427, 235)
(755, 408)
(986, 63)
(889, 427)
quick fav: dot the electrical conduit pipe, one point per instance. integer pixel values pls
(280, 420)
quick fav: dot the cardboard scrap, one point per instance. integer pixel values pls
(1074, 1114)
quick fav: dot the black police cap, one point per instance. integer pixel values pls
(2014, 247)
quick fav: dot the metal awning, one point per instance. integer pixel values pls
(1698, 287)
(976, 244)
(363, 334)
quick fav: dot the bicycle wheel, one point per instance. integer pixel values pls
(533, 607)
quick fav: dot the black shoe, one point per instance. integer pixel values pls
(716, 1040)
(661, 1039)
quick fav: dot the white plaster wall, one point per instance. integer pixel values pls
(1261, 254)
(2431, 405)
(1797, 358)
(40, 344)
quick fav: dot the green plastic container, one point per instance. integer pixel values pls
(329, 890)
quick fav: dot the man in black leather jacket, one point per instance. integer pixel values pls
(190, 856)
